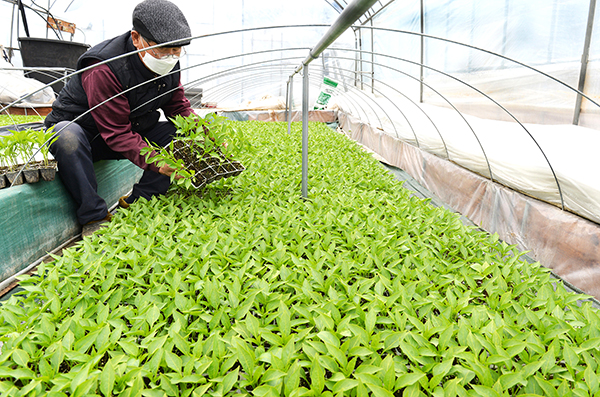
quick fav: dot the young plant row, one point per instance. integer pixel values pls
(17, 149)
(12, 120)
(361, 290)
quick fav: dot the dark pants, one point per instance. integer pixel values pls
(76, 150)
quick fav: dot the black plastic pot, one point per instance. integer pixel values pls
(48, 172)
(38, 52)
(13, 179)
(31, 175)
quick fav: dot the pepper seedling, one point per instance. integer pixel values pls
(199, 153)
(43, 139)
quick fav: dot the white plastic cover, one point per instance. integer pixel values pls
(15, 86)
(548, 35)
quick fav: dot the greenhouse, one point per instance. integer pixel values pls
(330, 197)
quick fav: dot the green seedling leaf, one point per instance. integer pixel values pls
(547, 387)
(329, 337)
(284, 320)
(152, 315)
(230, 380)
(317, 375)
(173, 361)
(509, 380)
(389, 373)
(571, 358)
(344, 385)
(371, 320)
(272, 375)
(79, 378)
(485, 391)
(107, 379)
(167, 386)
(408, 379)
(129, 347)
(379, 391)
(45, 369)
(292, 379)
(21, 357)
(245, 355)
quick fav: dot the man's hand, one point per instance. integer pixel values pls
(166, 170)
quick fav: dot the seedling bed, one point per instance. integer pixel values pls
(359, 290)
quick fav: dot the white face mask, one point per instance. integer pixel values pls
(160, 66)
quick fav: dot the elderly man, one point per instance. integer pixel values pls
(108, 111)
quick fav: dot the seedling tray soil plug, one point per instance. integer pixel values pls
(248, 289)
(204, 168)
(16, 153)
(32, 173)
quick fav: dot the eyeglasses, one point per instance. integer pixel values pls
(160, 53)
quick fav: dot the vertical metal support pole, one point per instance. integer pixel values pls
(291, 92)
(48, 27)
(305, 132)
(584, 60)
(350, 14)
(422, 51)
(287, 101)
(361, 70)
(356, 58)
(243, 59)
(23, 17)
(12, 26)
(372, 59)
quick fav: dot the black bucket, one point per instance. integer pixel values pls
(37, 52)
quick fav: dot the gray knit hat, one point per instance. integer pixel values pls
(161, 21)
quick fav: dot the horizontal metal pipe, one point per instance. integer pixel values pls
(64, 78)
(350, 14)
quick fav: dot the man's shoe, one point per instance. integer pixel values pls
(93, 226)
(123, 203)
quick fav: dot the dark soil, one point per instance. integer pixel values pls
(48, 172)
(31, 175)
(15, 178)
